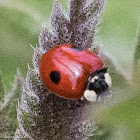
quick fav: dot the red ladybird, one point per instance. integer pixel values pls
(72, 73)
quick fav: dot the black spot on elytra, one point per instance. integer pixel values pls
(75, 49)
(55, 76)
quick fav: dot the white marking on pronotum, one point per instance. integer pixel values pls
(108, 79)
(90, 95)
(94, 78)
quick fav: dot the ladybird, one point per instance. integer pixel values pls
(72, 73)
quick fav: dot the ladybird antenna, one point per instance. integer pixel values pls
(108, 68)
(104, 70)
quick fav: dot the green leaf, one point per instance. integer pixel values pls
(14, 43)
(136, 66)
(123, 121)
(118, 32)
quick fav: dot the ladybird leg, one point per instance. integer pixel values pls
(90, 95)
(96, 50)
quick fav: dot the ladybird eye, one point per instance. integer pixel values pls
(55, 76)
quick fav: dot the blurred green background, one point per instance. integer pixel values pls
(20, 25)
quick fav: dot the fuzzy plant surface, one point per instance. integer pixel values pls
(40, 113)
(8, 103)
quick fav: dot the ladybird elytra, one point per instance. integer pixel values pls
(65, 70)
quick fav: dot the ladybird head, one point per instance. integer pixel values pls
(99, 83)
